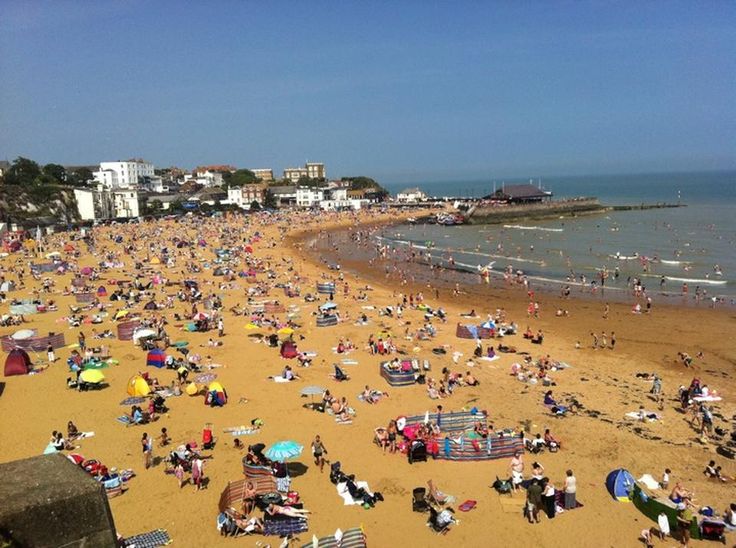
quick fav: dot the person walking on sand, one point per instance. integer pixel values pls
(197, 472)
(318, 452)
(595, 340)
(613, 339)
(220, 327)
(50, 353)
(179, 473)
(147, 446)
(606, 309)
(516, 467)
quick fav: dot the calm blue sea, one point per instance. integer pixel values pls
(694, 244)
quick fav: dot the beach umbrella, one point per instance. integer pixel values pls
(283, 450)
(121, 314)
(312, 390)
(251, 326)
(86, 271)
(488, 325)
(328, 306)
(22, 334)
(285, 331)
(142, 333)
(199, 316)
(92, 376)
(383, 334)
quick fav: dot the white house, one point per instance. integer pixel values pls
(411, 195)
(127, 174)
(244, 196)
(154, 184)
(309, 196)
(100, 203)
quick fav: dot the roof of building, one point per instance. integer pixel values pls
(280, 190)
(523, 191)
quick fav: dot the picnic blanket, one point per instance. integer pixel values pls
(648, 415)
(346, 497)
(152, 539)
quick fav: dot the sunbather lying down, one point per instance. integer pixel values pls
(290, 511)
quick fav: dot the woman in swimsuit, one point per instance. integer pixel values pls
(275, 509)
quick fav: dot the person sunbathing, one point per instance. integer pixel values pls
(71, 431)
(249, 497)
(552, 443)
(470, 380)
(290, 511)
(369, 396)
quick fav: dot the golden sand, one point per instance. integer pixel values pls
(603, 380)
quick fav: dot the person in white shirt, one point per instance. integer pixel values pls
(570, 490)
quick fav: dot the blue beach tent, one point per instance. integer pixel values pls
(620, 483)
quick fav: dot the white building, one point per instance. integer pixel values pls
(244, 196)
(127, 174)
(205, 178)
(411, 195)
(101, 203)
(154, 184)
(308, 196)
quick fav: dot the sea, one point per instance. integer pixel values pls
(664, 248)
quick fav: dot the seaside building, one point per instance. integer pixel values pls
(316, 170)
(312, 170)
(244, 196)
(308, 196)
(293, 174)
(264, 174)
(221, 168)
(101, 203)
(4, 167)
(205, 178)
(123, 174)
(521, 194)
(285, 195)
(410, 196)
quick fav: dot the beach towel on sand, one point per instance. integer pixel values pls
(159, 537)
(347, 498)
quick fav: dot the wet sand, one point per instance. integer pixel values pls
(595, 441)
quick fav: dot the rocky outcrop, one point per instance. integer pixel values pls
(31, 205)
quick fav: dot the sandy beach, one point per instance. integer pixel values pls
(595, 440)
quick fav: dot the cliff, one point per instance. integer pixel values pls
(29, 205)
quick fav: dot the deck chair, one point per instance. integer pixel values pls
(419, 500)
(440, 521)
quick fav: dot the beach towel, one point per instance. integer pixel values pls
(279, 379)
(242, 430)
(338, 420)
(205, 378)
(349, 362)
(467, 506)
(125, 419)
(347, 498)
(487, 359)
(649, 415)
(152, 539)
(649, 481)
(284, 526)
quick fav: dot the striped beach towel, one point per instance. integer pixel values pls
(152, 539)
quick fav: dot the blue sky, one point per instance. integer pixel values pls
(402, 91)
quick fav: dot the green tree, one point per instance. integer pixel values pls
(270, 201)
(22, 172)
(79, 176)
(55, 172)
(255, 206)
(314, 183)
(239, 178)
